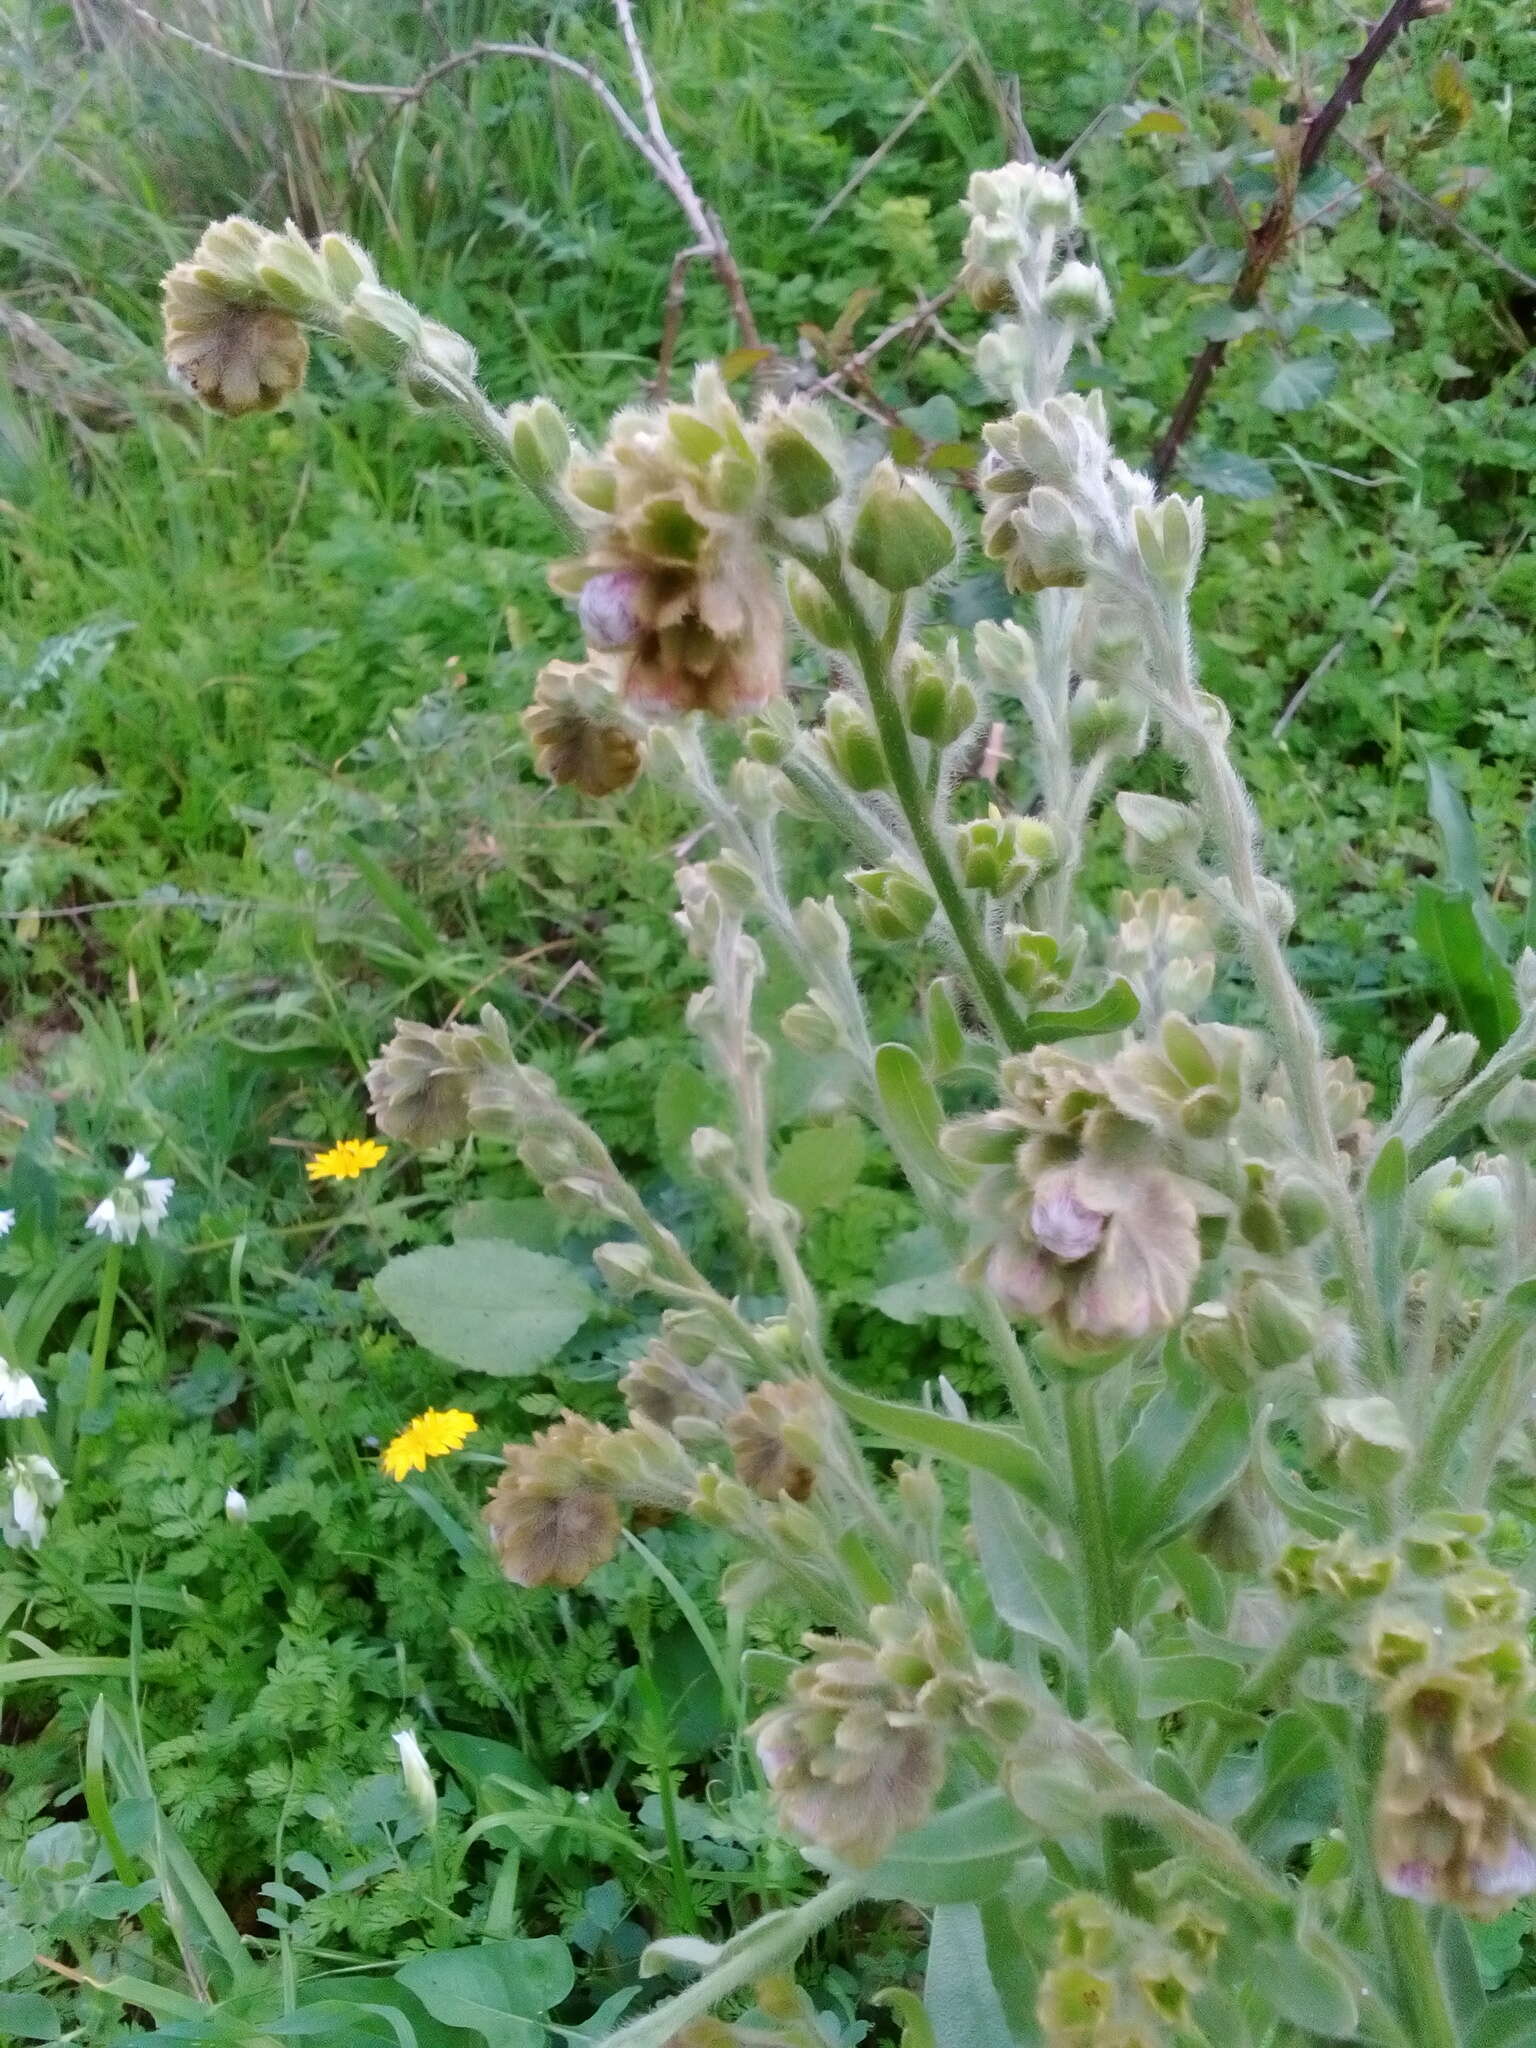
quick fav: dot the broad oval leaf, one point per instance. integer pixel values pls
(500, 1989)
(488, 1305)
(1186, 1449)
(913, 1109)
(958, 1992)
(1034, 1592)
(966, 1853)
(820, 1165)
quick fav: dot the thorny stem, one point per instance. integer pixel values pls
(874, 658)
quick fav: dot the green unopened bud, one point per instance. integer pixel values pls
(1279, 1331)
(820, 616)
(852, 744)
(290, 272)
(713, 1152)
(1003, 855)
(592, 484)
(347, 265)
(801, 479)
(893, 904)
(1261, 1224)
(812, 1026)
(1446, 1542)
(1511, 1116)
(1035, 965)
(1213, 1337)
(1473, 1212)
(625, 1269)
(540, 443)
(1169, 537)
(1079, 297)
(821, 927)
(383, 328)
(1303, 1210)
(1367, 1440)
(1159, 834)
(940, 705)
(1102, 718)
(899, 539)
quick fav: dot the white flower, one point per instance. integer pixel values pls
(32, 1486)
(19, 1395)
(7, 1222)
(418, 1778)
(235, 1506)
(137, 1203)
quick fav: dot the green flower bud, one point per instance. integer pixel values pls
(1034, 964)
(1078, 297)
(1213, 1338)
(1303, 1210)
(1511, 1116)
(899, 539)
(540, 443)
(1473, 1212)
(893, 904)
(811, 1027)
(1102, 718)
(713, 1152)
(801, 479)
(1159, 834)
(1261, 1224)
(852, 745)
(1169, 537)
(592, 484)
(1446, 1542)
(346, 264)
(815, 612)
(1367, 1440)
(1279, 1331)
(940, 706)
(383, 328)
(625, 1269)
(1003, 855)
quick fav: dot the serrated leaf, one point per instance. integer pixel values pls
(1229, 474)
(820, 1165)
(1293, 386)
(490, 1306)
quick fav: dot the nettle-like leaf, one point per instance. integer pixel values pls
(486, 1304)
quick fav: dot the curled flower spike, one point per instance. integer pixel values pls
(346, 1160)
(431, 1434)
(236, 357)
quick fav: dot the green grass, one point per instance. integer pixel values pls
(306, 787)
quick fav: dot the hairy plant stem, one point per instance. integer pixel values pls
(1266, 1683)
(1420, 1993)
(1228, 820)
(774, 1942)
(873, 653)
(1477, 1371)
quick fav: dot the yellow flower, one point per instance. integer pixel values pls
(346, 1160)
(430, 1435)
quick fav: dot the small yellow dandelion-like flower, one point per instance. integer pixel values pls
(346, 1159)
(432, 1434)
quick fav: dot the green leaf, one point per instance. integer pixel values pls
(1188, 1446)
(1510, 2023)
(918, 1280)
(958, 1993)
(28, 2016)
(946, 1034)
(913, 1107)
(966, 1853)
(1307, 1990)
(1358, 318)
(820, 1165)
(982, 1446)
(1478, 984)
(1229, 474)
(1293, 386)
(1117, 1007)
(685, 1099)
(1463, 859)
(1170, 1684)
(499, 1989)
(1387, 1181)
(491, 1306)
(916, 2027)
(1034, 1592)
(1497, 1945)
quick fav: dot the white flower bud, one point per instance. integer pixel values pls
(713, 1152)
(419, 1787)
(1079, 297)
(626, 1269)
(1169, 537)
(236, 1507)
